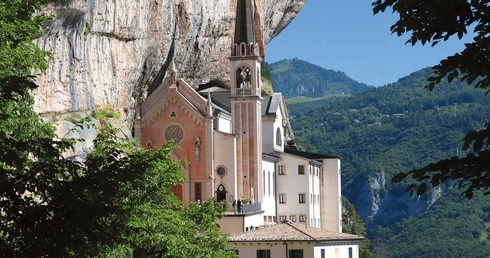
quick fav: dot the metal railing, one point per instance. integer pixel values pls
(250, 207)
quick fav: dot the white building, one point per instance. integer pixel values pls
(309, 189)
(294, 240)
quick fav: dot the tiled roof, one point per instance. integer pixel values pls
(220, 97)
(291, 232)
(266, 102)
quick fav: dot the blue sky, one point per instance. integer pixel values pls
(345, 35)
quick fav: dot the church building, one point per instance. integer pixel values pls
(239, 145)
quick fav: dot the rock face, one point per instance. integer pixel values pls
(110, 51)
(379, 206)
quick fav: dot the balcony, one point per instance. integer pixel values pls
(251, 207)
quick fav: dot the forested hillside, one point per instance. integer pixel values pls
(294, 77)
(394, 129)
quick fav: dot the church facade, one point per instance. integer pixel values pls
(237, 142)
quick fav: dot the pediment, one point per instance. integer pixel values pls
(167, 104)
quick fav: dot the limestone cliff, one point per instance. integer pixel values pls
(378, 205)
(110, 51)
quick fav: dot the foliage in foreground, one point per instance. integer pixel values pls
(116, 202)
(436, 21)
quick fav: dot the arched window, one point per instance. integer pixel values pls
(264, 182)
(239, 78)
(270, 182)
(278, 137)
(149, 143)
(243, 77)
(243, 48)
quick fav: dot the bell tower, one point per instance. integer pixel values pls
(246, 103)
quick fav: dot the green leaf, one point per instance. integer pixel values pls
(477, 145)
(469, 194)
(422, 189)
(399, 177)
(410, 187)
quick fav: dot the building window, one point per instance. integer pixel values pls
(302, 198)
(281, 170)
(322, 253)
(282, 198)
(173, 132)
(302, 218)
(263, 253)
(197, 193)
(278, 137)
(221, 171)
(269, 181)
(264, 183)
(350, 252)
(274, 183)
(301, 169)
(282, 218)
(296, 253)
(292, 218)
(243, 47)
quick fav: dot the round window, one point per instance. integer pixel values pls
(221, 171)
(173, 132)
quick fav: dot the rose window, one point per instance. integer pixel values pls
(174, 132)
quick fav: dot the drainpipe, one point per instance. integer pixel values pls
(275, 190)
(287, 251)
(190, 184)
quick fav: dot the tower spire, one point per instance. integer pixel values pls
(245, 42)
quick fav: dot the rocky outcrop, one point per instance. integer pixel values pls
(379, 206)
(109, 51)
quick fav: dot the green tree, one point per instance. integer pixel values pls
(433, 22)
(353, 224)
(118, 200)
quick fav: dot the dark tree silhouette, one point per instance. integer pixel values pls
(433, 22)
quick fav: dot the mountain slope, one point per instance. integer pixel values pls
(294, 77)
(392, 129)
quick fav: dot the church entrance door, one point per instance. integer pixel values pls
(221, 193)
